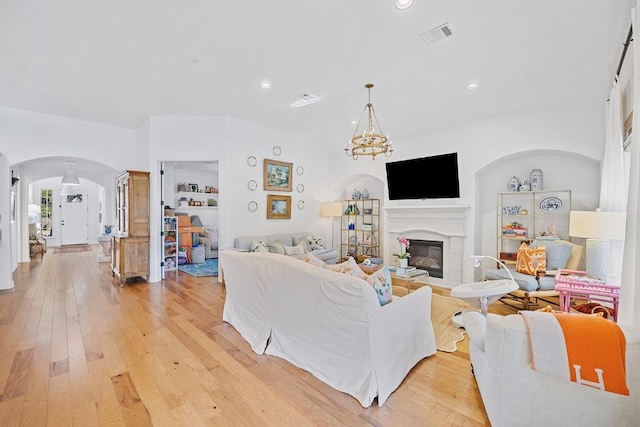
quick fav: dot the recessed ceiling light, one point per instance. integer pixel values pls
(403, 4)
(265, 85)
(354, 122)
(472, 86)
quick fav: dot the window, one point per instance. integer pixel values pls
(46, 212)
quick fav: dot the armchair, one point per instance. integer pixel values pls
(500, 355)
(37, 243)
(561, 254)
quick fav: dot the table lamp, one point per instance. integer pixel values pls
(331, 210)
(599, 228)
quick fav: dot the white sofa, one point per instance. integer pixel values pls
(516, 395)
(328, 255)
(329, 324)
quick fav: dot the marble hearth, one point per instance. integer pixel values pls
(445, 223)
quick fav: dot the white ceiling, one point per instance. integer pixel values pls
(119, 62)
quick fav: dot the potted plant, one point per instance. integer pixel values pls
(107, 228)
(403, 256)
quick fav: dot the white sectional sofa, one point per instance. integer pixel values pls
(327, 323)
(516, 395)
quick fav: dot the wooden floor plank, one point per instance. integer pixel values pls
(77, 349)
(133, 409)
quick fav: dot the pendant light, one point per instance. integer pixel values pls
(70, 177)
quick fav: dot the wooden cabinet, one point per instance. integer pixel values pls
(360, 228)
(130, 257)
(527, 215)
(130, 249)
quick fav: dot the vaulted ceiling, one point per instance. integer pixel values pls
(118, 62)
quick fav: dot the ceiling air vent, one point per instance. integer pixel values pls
(303, 100)
(437, 34)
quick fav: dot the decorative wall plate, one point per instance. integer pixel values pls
(277, 150)
(353, 240)
(300, 188)
(300, 204)
(253, 206)
(252, 161)
(299, 170)
(550, 204)
(252, 185)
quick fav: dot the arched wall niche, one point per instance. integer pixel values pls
(563, 170)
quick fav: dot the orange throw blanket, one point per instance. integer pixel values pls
(587, 350)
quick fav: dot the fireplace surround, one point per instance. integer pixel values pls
(444, 223)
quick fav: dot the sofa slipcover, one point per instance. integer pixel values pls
(327, 323)
(514, 394)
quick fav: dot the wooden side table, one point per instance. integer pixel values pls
(570, 283)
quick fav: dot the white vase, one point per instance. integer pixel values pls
(403, 262)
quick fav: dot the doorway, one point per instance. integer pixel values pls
(74, 219)
(190, 188)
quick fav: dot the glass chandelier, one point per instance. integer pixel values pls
(369, 142)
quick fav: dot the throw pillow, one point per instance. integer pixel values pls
(315, 242)
(277, 248)
(258, 246)
(304, 241)
(558, 253)
(313, 260)
(294, 250)
(381, 283)
(212, 234)
(531, 260)
(348, 267)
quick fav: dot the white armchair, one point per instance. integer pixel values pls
(516, 395)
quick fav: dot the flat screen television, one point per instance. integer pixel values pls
(433, 177)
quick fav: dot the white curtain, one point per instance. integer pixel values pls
(613, 190)
(629, 292)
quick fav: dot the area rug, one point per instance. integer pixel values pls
(447, 335)
(73, 248)
(207, 268)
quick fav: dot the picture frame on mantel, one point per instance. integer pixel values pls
(277, 175)
(278, 206)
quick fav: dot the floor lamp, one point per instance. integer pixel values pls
(599, 228)
(331, 210)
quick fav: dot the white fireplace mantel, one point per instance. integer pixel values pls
(438, 222)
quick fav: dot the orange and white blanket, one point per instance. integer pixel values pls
(588, 350)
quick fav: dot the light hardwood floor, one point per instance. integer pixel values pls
(76, 349)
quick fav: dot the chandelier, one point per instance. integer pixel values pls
(369, 142)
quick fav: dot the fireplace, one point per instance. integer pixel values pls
(427, 255)
(438, 223)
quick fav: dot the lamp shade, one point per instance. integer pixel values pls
(70, 178)
(331, 209)
(597, 225)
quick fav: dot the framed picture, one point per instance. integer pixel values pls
(277, 175)
(369, 239)
(278, 207)
(193, 188)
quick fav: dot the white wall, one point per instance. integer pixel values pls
(571, 128)
(231, 142)
(26, 135)
(6, 267)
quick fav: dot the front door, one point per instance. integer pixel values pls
(74, 219)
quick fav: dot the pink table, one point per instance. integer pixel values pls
(574, 282)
